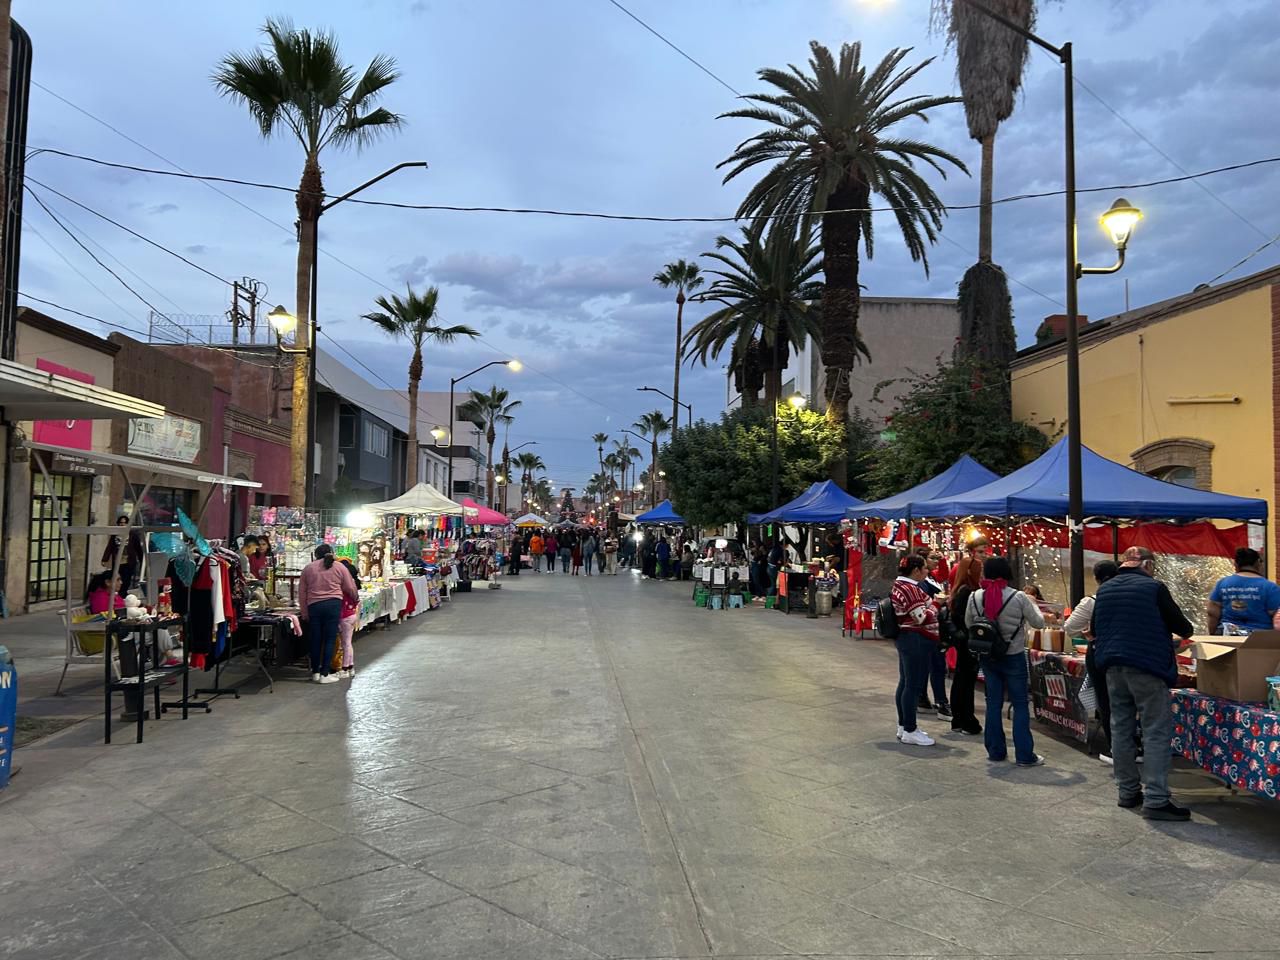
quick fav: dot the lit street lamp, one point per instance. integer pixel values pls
(797, 402)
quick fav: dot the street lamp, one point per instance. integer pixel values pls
(1119, 222)
(438, 434)
(687, 406)
(797, 402)
(514, 365)
(309, 348)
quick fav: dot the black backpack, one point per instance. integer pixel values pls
(984, 634)
(886, 620)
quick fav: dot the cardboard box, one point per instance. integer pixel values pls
(1237, 668)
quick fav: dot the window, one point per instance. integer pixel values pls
(377, 439)
(346, 430)
(46, 560)
(1182, 476)
(1185, 461)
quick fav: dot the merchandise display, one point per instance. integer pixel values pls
(1237, 742)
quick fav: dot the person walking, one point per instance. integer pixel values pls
(589, 549)
(322, 586)
(551, 547)
(1246, 600)
(567, 543)
(1134, 621)
(648, 557)
(350, 619)
(575, 553)
(1012, 611)
(966, 576)
(1080, 624)
(662, 551)
(917, 636)
(610, 563)
(535, 551)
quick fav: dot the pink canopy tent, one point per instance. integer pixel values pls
(483, 516)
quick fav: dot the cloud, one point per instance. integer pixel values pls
(196, 248)
(162, 208)
(413, 272)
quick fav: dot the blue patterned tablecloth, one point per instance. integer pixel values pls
(1238, 742)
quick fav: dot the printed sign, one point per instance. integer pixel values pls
(1055, 693)
(76, 434)
(168, 438)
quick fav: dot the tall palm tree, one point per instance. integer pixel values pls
(990, 62)
(765, 283)
(298, 84)
(628, 457)
(486, 411)
(613, 464)
(600, 439)
(830, 146)
(685, 277)
(653, 425)
(528, 464)
(413, 318)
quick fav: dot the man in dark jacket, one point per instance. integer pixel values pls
(1134, 620)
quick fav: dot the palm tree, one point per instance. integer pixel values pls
(528, 464)
(600, 439)
(486, 411)
(414, 319)
(766, 286)
(685, 277)
(298, 84)
(653, 425)
(990, 62)
(613, 464)
(829, 145)
(628, 456)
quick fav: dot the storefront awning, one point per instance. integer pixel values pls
(94, 458)
(30, 394)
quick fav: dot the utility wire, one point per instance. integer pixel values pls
(648, 218)
(700, 66)
(1245, 259)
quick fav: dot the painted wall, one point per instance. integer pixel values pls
(1126, 384)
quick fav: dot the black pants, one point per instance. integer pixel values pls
(322, 626)
(914, 652)
(1098, 680)
(962, 686)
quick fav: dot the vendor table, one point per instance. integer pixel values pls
(1056, 679)
(1236, 742)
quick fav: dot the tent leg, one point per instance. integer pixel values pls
(1115, 541)
(66, 664)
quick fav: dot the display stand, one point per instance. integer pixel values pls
(139, 645)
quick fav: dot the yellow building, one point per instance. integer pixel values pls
(1186, 389)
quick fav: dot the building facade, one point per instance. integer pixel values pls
(1187, 389)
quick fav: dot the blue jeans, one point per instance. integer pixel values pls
(938, 675)
(1008, 673)
(914, 651)
(323, 618)
(565, 555)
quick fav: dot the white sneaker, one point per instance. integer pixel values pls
(315, 678)
(1106, 758)
(901, 731)
(329, 678)
(917, 738)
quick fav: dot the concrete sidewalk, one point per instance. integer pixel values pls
(592, 767)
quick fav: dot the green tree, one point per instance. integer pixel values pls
(628, 456)
(765, 285)
(954, 409)
(486, 411)
(528, 464)
(413, 318)
(719, 472)
(298, 84)
(685, 277)
(653, 425)
(990, 62)
(831, 144)
(600, 439)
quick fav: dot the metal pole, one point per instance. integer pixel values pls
(312, 335)
(1075, 480)
(774, 501)
(452, 384)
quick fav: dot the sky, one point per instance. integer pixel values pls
(572, 105)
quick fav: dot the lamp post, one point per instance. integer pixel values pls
(797, 402)
(647, 440)
(687, 406)
(1119, 221)
(309, 348)
(514, 365)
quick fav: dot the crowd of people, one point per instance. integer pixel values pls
(590, 552)
(1133, 627)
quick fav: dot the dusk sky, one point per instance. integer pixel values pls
(570, 104)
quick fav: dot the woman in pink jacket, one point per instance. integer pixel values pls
(322, 587)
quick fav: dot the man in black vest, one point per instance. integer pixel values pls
(1134, 620)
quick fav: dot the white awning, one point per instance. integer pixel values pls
(422, 500)
(92, 457)
(30, 394)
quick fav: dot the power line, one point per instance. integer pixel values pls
(650, 218)
(704, 69)
(1245, 259)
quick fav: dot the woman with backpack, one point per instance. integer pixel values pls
(997, 617)
(916, 638)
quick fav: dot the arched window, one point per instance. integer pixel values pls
(1185, 461)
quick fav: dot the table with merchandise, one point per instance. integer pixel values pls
(1237, 742)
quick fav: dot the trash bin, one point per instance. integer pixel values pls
(8, 713)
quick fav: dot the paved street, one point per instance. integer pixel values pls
(573, 768)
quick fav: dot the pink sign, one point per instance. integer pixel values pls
(77, 434)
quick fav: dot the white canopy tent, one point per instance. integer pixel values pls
(531, 520)
(421, 499)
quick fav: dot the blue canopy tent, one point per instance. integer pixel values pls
(663, 513)
(772, 516)
(822, 503)
(1110, 490)
(965, 474)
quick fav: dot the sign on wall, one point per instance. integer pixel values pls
(168, 438)
(76, 434)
